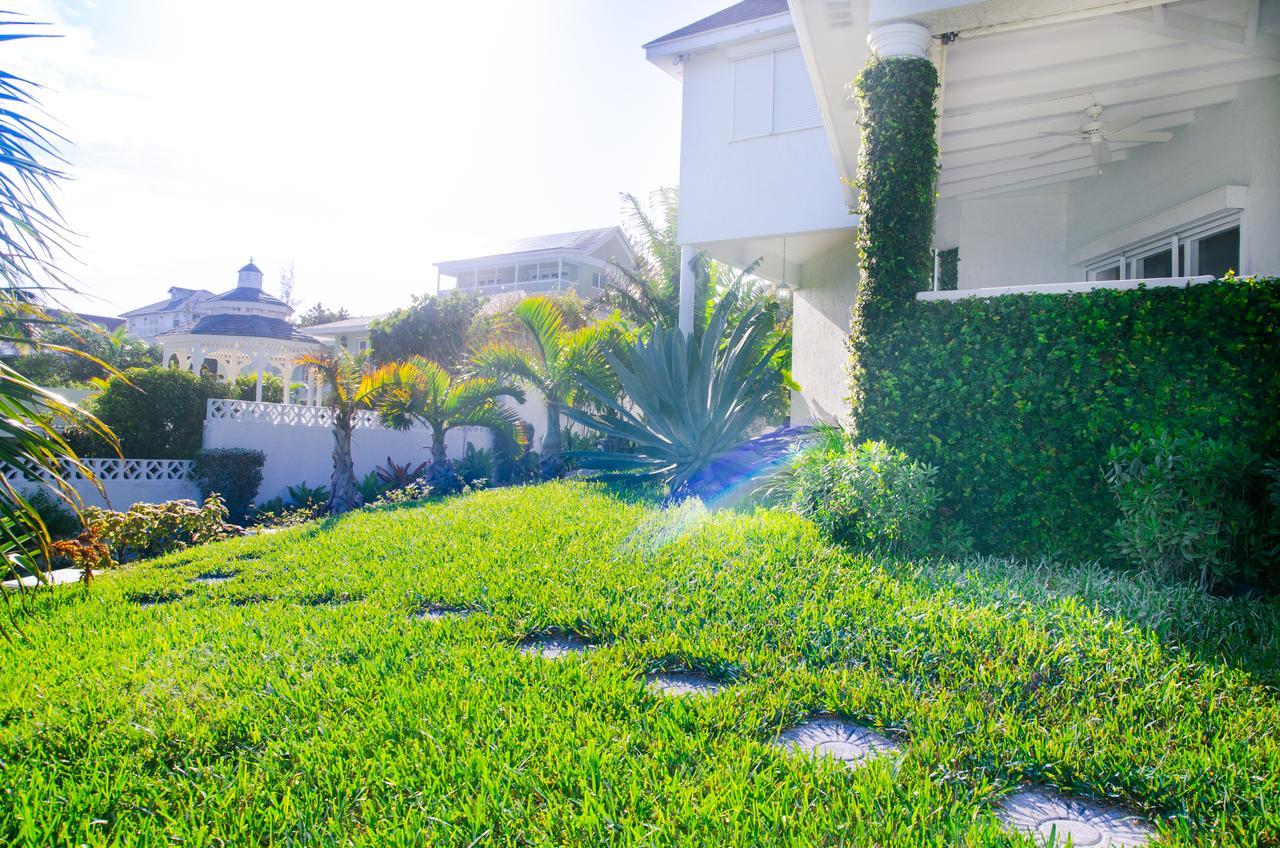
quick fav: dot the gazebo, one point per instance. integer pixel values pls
(244, 331)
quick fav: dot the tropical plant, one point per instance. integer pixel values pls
(232, 474)
(246, 388)
(419, 391)
(688, 403)
(148, 530)
(157, 413)
(308, 497)
(34, 240)
(398, 475)
(435, 328)
(94, 354)
(476, 466)
(556, 362)
(346, 391)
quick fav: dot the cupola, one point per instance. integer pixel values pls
(250, 277)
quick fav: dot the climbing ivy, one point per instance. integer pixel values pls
(949, 269)
(897, 167)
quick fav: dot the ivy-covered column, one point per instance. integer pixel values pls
(897, 168)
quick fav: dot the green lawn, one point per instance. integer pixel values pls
(302, 702)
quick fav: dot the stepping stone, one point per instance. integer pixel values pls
(439, 612)
(57, 577)
(554, 647)
(678, 684)
(210, 578)
(1049, 816)
(850, 743)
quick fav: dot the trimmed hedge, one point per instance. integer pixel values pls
(1017, 399)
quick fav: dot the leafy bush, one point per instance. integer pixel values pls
(476, 466)
(308, 497)
(233, 473)
(868, 496)
(1018, 398)
(148, 530)
(158, 413)
(246, 388)
(1189, 507)
(370, 487)
(435, 328)
(58, 517)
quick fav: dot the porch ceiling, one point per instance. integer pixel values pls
(1156, 66)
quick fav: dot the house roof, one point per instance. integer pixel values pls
(344, 325)
(252, 326)
(738, 13)
(250, 267)
(246, 294)
(177, 297)
(584, 240)
(104, 321)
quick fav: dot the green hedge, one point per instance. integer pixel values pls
(1018, 398)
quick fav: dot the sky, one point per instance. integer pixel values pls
(357, 142)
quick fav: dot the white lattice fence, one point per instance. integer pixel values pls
(252, 412)
(126, 481)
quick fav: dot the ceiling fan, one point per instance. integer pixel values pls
(1095, 134)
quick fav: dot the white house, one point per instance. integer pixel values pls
(576, 261)
(1081, 140)
(181, 307)
(349, 334)
(242, 331)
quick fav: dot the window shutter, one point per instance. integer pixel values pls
(794, 104)
(752, 103)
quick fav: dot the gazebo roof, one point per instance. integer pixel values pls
(248, 326)
(245, 294)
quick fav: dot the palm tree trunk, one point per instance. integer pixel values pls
(551, 465)
(441, 476)
(343, 494)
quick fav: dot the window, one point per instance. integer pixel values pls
(772, 94)
(1208, 248)
(597, 280)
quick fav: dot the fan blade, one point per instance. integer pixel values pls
(1067, 134)
(1126, 126)
(1045, 153)
(1155, 137)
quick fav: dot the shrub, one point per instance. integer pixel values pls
(58, 517)
(233, 473)
(1018, 398)
(1188, 507)
(157, 414)
(370, 487)
(476, 466)
(308, 497)
(148, 530)
(867, 496)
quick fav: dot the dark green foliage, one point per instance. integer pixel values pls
(897, 168)
(949, 269)
(233, 473)
(157, 413)
(58, 516)
(689, 401)
(306, 496)
(1017, 399)
(476, 466)
(1190, 507)
(433, 327)
(246, 388)
(320, 314)
(89, 345)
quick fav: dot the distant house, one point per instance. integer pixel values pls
(147, 322)
(576, 261)
(1082, 143)
(349, 334)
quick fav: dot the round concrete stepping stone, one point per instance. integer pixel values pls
(439, 612)
(210, 578)
(556, 646)
(1052, 818)
(850, 743)
(678, 684)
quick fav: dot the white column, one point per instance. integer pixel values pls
(257, 393)
(686, 288)
(900, 39)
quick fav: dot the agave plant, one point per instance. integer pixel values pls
(557, 363)
(688, 403)
(419, 391)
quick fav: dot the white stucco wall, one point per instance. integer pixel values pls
(122, 494)
(1237, 143)
(1013, 240)
(822, 307)
(772, 185)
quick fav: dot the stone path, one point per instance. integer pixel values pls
(554, 647)
(58, 577)
(682, 683)
(850, 743)
(1051, 818)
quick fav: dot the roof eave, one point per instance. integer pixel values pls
(663, 51)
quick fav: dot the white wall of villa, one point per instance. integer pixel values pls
(766, 156)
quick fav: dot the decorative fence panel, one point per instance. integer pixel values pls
(126, 481)
(298, 441)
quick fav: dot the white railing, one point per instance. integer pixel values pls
(109, 468)
(1064, 288)
(252, 412)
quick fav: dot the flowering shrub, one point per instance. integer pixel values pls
(416, 491)
(149, 530)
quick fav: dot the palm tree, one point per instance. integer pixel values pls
(33, 241)
(417, 390)
(348, 390)
(557, 363)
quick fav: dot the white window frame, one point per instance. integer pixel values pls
(772, 96)
(1188, 236)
